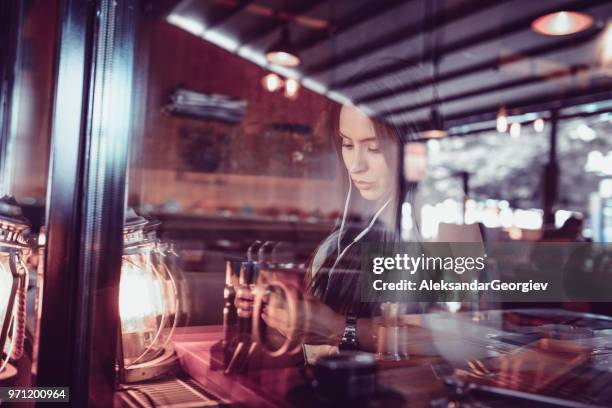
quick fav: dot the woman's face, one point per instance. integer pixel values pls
(362, 154)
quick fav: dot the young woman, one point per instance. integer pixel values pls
(369, 151)
(338, 313)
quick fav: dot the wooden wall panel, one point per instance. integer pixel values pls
(177, 58)
(34, 100)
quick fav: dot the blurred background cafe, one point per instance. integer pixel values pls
(174, 171)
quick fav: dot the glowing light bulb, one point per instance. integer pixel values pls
(515, 130)
(6, 282)
(292, 87)
(538, 125)
(272, 82)
(283, 58)
(562, 23)
(502, 120)
(140, 298)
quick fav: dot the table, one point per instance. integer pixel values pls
(498, 336)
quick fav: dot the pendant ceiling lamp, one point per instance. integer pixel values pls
(283, 52)
(515, 130)
(562, 23)
(15, 248)
(538, 125)
(501, 122)
(435, 128)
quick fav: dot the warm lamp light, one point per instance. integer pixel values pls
(139, 313)
(538, 125)
(292, 88)
(515, 130)
(272, 82)
(14, 250)
(148, 303)
(436, 128)
(562, 23)
(501, 122)
(282, 52)
(283, 58)
(605, 46)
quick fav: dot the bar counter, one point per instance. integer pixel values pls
(533, 353)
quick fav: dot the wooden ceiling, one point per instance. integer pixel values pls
(380, 54)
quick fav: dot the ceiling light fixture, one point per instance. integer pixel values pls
(282, 52)
(436, 127)
(272, 82)
(538, 125)
(502, 120)
(562, 23)
(292, 87)
(515, 130)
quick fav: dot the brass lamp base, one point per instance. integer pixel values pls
(166, 363)
(8, 373)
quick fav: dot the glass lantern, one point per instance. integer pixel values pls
(148, 302)
(14, 250)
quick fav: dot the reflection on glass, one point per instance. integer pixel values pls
(148, 300)
(139, 313)
(270, 174)
(7, 296)
(14, 250)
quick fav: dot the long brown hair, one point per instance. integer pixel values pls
(388, 137)
(392, 135)
(344, 293)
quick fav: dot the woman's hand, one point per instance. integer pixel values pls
(314, 323)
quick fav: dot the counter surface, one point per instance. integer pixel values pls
(528, 350)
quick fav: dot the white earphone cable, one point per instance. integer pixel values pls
(346, 204)
(360, 235)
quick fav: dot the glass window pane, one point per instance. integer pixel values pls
(27, 89)
(277, 145)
